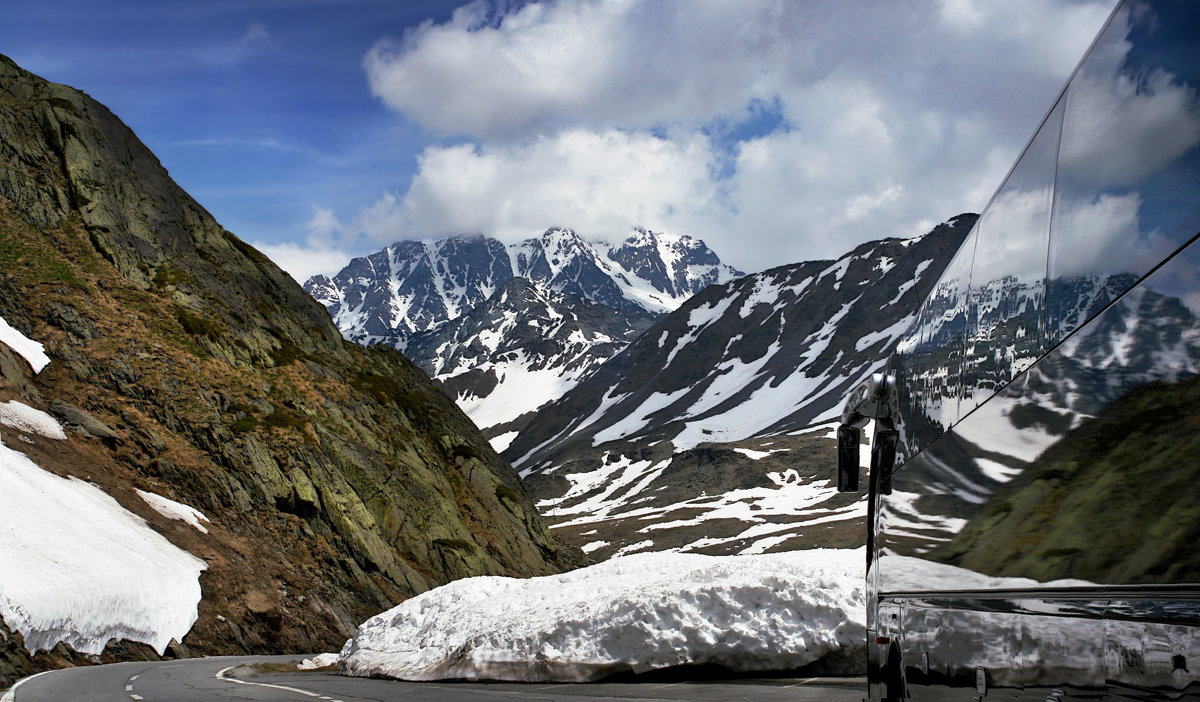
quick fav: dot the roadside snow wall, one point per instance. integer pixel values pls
(634, 613)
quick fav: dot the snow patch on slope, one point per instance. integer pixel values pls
(521, 389)
(175, 510)
(77, 567)
(32, 351)
(639, 613)
(22, 417)
(501, 442)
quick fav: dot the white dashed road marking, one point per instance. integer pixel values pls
(221, 676)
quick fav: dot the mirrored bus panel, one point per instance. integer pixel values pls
(1037, 534)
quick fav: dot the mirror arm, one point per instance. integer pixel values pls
(872, 399)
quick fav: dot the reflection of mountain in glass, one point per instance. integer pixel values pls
(929, 356)
(1117, 500)
(1147, 336)
(1003, 340)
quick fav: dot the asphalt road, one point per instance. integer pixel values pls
(201, 680)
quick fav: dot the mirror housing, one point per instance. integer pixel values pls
(883, 457)
(848, 460)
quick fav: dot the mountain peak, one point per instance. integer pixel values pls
(463, 238)
(640, 236)
(555, 234)
(412, 287)
(560, 243)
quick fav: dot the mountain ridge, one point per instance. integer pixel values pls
(746, 377)
(418, 296)
(415, 286)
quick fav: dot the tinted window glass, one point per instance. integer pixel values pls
(1008, 278)
(928, 360)
(1128, 172)
(1086, 466)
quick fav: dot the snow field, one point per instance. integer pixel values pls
(77, 567)
(633, 613)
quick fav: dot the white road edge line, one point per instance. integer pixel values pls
(12, 691)
(221, 676)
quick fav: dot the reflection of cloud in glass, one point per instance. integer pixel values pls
(1180, 279)
(1111, 241)
(1123, 123)
(1192, 300)
(1013, 237)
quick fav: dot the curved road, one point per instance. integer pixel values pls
(209, 680)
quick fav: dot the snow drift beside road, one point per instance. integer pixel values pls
(635, 613)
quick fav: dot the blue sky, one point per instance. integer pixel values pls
(775, 131)
(261, 110)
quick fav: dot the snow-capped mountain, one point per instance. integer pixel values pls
(504, 349)
(415, 286)
(411, 286)
(715, 422)
(520, 348)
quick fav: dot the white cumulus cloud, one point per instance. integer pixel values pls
(771, 129)
(600, 183)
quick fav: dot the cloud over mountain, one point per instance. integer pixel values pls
(769, 129)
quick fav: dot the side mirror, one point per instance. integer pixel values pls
(847, 451)
(883, 457)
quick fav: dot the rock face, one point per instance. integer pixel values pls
(339, 479)
(739, 381)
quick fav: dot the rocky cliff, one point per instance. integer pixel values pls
(337, 478)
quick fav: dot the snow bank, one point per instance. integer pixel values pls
(175, 510)
(76, 567)
(635, 613)
(27, 419)
(32, 351)
(321, 660)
